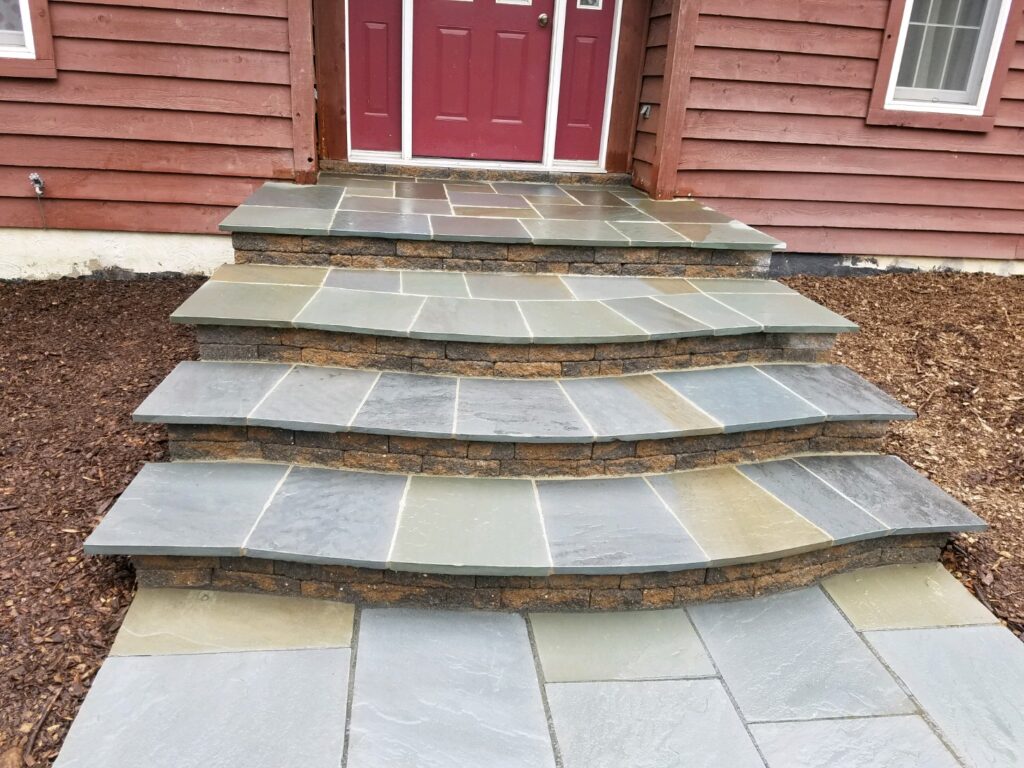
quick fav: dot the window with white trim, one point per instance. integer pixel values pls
(946, 55)
(15, 30)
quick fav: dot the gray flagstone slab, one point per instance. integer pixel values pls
(577, 322)
(784, 313)
(269, 304)
(339, 309)
(389, 281)
(435, 283)
(657, 319)
(409, 404)
(506, 409)
(792, 656)
(471, 320)
(838, 391)
(619, 645)
(330, 516)
(210, 393)
(613, 526)
(652, 724)
(600, 287)
(970, 681)
(866, 742)
(438, 689)
(268, 273)
(263, 709)
(274, 193)
(401, 226)
(894, 493)
(314, 399)
(704, 309)
(215, 506)
(713, 285)
(499, 286)
(279, 220)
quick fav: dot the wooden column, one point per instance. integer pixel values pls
(629, 62)
(332, 117)
(300, 58)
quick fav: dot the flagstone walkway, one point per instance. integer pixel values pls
(892, 667)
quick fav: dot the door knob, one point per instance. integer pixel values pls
(542, 20)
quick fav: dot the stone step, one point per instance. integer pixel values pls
(842, 675)
(682, 521)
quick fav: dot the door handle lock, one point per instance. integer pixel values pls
(543, 20)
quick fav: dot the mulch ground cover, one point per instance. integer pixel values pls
(77, 356)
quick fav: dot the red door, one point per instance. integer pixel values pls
(480, 78)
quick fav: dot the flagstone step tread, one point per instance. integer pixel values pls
(501, 308)
(498, 526)
(637, 407)
(499, 212)
(796, 677)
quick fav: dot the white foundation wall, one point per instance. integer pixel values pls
(41, 254)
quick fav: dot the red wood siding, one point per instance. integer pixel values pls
(775, 134)
(164, 115)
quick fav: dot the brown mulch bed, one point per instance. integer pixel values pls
(77, 356)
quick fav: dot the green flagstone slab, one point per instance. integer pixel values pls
(682, 211)
(792, 656)
(421, 190)
(435, 283)
(531, 189)
(838, 391)
(715, 285)
(409, 404)
(337, 309)
(400, 226)
(263, 709)
(394, 205)
(486, 230)
(210, 392)
(363, 186)
(389, 281)
(970, 681)
(266, 273)
(326, 516)
(314, 399)
(488, 199)
(279, 220)
(244, 304)
(786, 313)
(295, 196)
(601, 213)
(867, 742)
(215, 505)
(587, 531)
(651, 724)
(704, 309)
(509, 409)
(657, 319)
(595, 196)
(578, 322)
(173, 621)
(499, 286)
(471, 320)
(733, 235)
(627, 645)
(905, 597)
(593, 287)
(487, 525)
(893, 492)
(446, 689)
(568, 232)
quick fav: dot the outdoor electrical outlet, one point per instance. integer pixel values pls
(37, 183)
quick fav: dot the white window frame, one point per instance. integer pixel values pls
(28, 50)
(975, 107)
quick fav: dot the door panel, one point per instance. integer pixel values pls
(585, 61)
(375, 58)
(480, 78)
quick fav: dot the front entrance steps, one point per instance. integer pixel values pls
(891, 666)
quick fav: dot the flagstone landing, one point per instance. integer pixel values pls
(893, 667)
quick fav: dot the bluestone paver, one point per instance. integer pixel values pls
(577, 322)
(435, 283)
(409, 404)
(612, 526)
(785, 313)
(602, 287)
(713, 285)
(471, 320)
(970, 681)
(483, 285)
(250, 304)
(622, 645)
(651, 724)
(382, 280)
(792, 656)
(330, 516)
(279, 220)
(475, 525)
(338, 309)
(401, 226)
(166, 621)
(838, 391)
(705, 309)
(278, 194)
(439, 689)
(906, 596)
(504, 409)
(262, 709)
(657, 319)
(267, 273)
(314, 399)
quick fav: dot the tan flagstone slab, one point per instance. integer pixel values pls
(905, 597)
(176, 621)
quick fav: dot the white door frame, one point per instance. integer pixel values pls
(548, 161)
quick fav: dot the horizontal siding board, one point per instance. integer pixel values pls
(872, 242)
(172, 61)
(144, 125)
(869, 14)
(161, 93)
(766, 67)
(778, 98)
(788, 37)
(273, 8)
(1013, 88)
(154, 25)
(1011, 114)
(118, 216)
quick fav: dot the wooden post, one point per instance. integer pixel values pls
(300, 65)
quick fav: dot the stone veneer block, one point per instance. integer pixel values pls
(330, 516)
(578, 322)
(262, 709)
(742, 398)
(636, 408)
(838, 391)
(715, 315)
(894, 493)
(409, 404)
(483, 285)
(314, 399)
(505, 409)
(815, 500)
(338, 309)
(653, 724)
(471, 320)
(734, 520)
(215, 506)
(166, 621)
(869, 742)
(210, 393)
(264, 273)
(656, 319)
(627, 645)
(787, 313)
(249, 304)
(905, 597)
(613, 526)
(599, 288)
(792, 656)
(481, 525)
(970, 681)
(437, 688)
